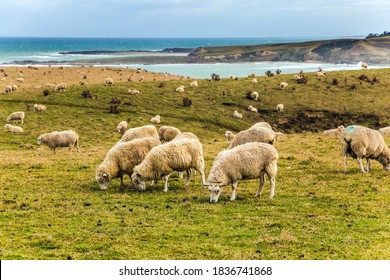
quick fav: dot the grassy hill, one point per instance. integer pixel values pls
(52, 208)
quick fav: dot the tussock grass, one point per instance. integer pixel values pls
(51, 207)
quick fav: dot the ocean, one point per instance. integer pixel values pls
(25, 51)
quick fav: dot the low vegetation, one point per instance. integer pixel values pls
(52, 208)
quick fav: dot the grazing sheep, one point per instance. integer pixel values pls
(66, 138)
(283, 85)
(252, 109)
(156, 119)
(12, 128)
(163, 160)
(319, 74)
(194, 84)
(254, 95)
(20, 80)
(385, 130)
(133, 92)
(261, 124)
(280, 108)
(252, 75)
(248, 161)
(232, 77)
(16, 116)
(279, 136)
(60, 87)
(364, 65)
(168, 133)
(39, 107)
(140, 132)
(334, 132)
(122, 126)
(108, 82)
(297, 77)
(229, 135)
(253, 134)
(254, 81)
(180, 89)
(122, 158)
(361, 142)
(14, 87)
(237, 115)
(8, 89)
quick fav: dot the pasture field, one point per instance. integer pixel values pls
(52, 208)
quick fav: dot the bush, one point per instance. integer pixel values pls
(187, 102)
(46, 92)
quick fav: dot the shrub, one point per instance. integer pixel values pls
(187, 102)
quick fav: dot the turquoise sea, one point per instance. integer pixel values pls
(25, 51)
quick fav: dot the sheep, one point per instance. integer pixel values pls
(163, 160)
(247, 161)
(168, 133)
(334, 132)
(252, 75)
(121, 128)
(261, 124)
(280, 108)
(122, 158)
(364, 65)
(156, 119)
(194, 84)
(252, 109)
(254, 81)
(253, 134)
(385, 130)
(229, 135)
(133, 92)
(361, 142)
(16, 116)
(180, 89)
(14, 87)
(20, 80)
(108, 82)
(319, 73)
(283, 85)
(237, 115)
(39, 107)
(8, 89)
(279, 136)
(232, 77)
(66, 138)
(14, 129)
(60, 87)
(254, 95)
(139, 132)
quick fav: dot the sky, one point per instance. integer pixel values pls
(193, 18)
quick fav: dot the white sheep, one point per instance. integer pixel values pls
(237, 115)
(140, 132)
(232, 77)
(108, 82)
(14, 87)
(247, 161)
(122, 127)
(194, 84)
(133, 92)
(163, 160)
(283, 85)
(385, 130)
(252, 109)
(280, 108)
(39, 107)
(180, 89)
(156, 119)
(229, 135)
(334, 132)
(254, 95)
(20, 80)
(253, 134)
(66, 138)
(122, 158)
(185, 135)
(8, 89)
(261, 124)
(254, 81)
(16, 116)
(167, 133)
(252, 75)
(361, 142)
(280, 136)
(12, 128)
(319, 74)
(364, 65)
(60, 87)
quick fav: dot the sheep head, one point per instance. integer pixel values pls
(102, 179)
(215, 190)
(138, 181)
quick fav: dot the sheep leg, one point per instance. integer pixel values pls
(180, 174)
(272, 192)
(368, 165)
(359, 160)
(345, 163)
(166, 183)
(188, 178)
(234, 190)
(261, 185)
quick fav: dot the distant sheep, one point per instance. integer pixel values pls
(133, 92)
(8, 89)
(122, 158)
(168, 133)
(16, 116)
(252, 109)
(252, 75)
(66, 138)
(361, 142)
(279, 136)
(14, 87)
(247, 161)
(180, 89)
(364, 65)
(253, 134)
(163, 160)
(122, 127)
(39, 107)
(194, 84)
(385, 130)
(334, 132)
(139, 132)
(237, 115)
(229, 135)
(12, 128)
(283, 85)
(280, 108)
(108, 82)
(254, 95)
(232, 77)
(319, 74)
(254, 81)
(60, 87)
(262, 124)
(20, 80)
(156, 119)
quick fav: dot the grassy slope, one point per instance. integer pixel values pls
(51, 207)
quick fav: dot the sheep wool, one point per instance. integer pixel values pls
(16, 116)
(140, 132)
(361, 142)
(122, 158)
(14, 129)
(261, 124)
(253, 134)
(237, 115)
(247, 161)
(333, 132)
(168, 133)
(385, 130)
(280, 108)
(163, 160)
(122, 126)
(66, 138)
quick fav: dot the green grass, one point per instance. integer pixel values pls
(51, 207)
